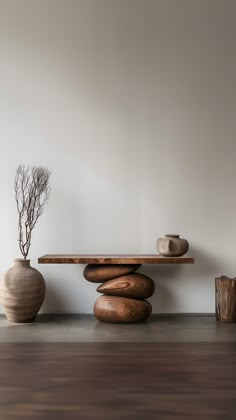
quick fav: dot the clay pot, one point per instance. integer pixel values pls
(22, 292)
(172, 246)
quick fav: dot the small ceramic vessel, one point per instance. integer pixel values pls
(172, 246)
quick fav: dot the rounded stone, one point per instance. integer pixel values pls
(135, 285)
(120, 309)
(98, 273)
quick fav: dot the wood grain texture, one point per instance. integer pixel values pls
(120, 309)
(136, 286)
(225, 299)
(113, 259)
(96, 273)
(130, 381)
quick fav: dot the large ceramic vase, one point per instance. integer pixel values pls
(22, 292)
(172, 246)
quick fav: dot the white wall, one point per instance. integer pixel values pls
(131, 104)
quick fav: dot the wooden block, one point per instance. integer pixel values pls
(97, 273)
(225, 299)
(137, 286)
(113, 259)
(120, 309)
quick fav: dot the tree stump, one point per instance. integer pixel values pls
(225, 299)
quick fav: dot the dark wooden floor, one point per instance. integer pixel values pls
(117, 381)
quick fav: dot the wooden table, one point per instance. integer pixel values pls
(124, 291)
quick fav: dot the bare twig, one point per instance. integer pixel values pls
(32, 192)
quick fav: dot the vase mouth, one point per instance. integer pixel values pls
(172, 235)
(21, 262)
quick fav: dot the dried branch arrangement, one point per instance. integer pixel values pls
(32, 192)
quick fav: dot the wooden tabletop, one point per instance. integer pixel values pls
(113, 259)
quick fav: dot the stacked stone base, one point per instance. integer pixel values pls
(124, 292)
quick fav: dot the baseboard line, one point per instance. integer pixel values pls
(159, 315)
